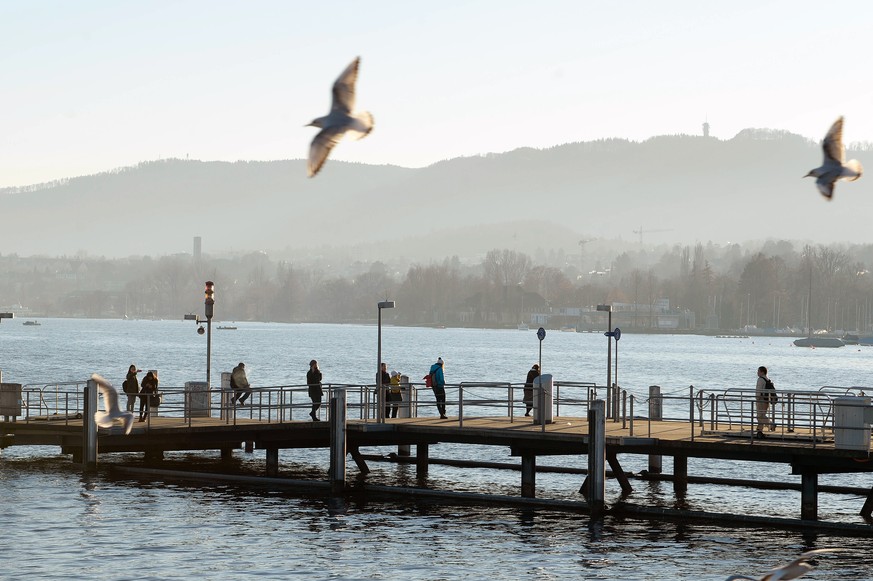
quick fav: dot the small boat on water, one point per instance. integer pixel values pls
(813, 341)
(523, 327)
(226, 328)
(31, 323)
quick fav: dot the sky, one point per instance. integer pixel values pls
(92, 85)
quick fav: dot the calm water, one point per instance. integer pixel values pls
(60, 524)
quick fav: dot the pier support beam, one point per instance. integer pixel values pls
(596, 456)
(528, 475)
(337, 473)
(272, 461)
(89, 427)
(359, 460)
(680, 475)
(619, 474)
(226, 453)
(656, 413)
(809, 495)
(421, 460)
(867, 509)
(249, 447)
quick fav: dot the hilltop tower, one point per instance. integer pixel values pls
(706, 128)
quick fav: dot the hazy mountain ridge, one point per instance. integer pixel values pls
(697, 188)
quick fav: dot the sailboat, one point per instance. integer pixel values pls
(810, 340)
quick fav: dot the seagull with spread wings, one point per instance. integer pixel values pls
(113, 412)
(342, 119)
(835, 167)
(796, 568)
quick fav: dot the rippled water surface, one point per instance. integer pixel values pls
(60, 524)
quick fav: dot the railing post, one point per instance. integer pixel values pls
(691, 409)
(656, 413)
(461, 405)
(623, 409)
(631, 433)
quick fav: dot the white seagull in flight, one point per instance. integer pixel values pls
(113, 412)
(835, 167)
(340, 120)
(796, 568)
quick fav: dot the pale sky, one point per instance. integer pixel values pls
(88, 86)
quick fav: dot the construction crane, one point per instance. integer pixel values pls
(641, 232)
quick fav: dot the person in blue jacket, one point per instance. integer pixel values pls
(438, 385)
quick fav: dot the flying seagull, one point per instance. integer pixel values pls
(113, 412)
(796, 568)
(340, 120)
(835, 167)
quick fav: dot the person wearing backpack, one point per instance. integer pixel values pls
(765, 394)
(131, 387)
(438, 385)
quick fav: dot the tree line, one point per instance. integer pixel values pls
(775, 285)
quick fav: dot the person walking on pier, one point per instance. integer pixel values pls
(313, 380)
(528, 388)
(147, 399)
(438, 385)
(131, 387)
(239, 383)
(762, 402)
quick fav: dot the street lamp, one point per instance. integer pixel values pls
(608, 309)
(380, 393)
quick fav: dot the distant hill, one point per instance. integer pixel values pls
(690, 188)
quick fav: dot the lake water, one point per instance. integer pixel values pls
(59, 524)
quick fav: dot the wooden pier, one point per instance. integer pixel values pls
(806, 447)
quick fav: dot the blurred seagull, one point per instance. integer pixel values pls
(340, 120)
(113, 412)
(835, 167)
(796, 568)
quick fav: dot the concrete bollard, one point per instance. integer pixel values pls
(597, 458)
(656, 413)
(337, 472)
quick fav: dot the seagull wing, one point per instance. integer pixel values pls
(110, 395)
(321, 146)
(798, 567)
(825, 185)
(344, 89)
(833, 143)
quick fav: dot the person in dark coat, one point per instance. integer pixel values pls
(313, 380)
(239, 383)
(384, 378)
(528, 387)
(147, 401)
(131, 387)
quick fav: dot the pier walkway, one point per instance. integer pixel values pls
(815, 432)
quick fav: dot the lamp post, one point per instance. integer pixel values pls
(380, 393)
(608, 310)
(209, 291)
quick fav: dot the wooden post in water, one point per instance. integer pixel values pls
(89, 427)
(809, 495)
(337, 474)
(680, 475)
(272, 461)
(421, 459)
(528, 474)
(656, 414)
(596, 458)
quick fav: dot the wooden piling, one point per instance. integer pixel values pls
(596, 458)
(809, 495)
(680, 475)
(656, 413)
(337, 473)
(272, 460)
(528, 475)
(421, 461)
(89, 427)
